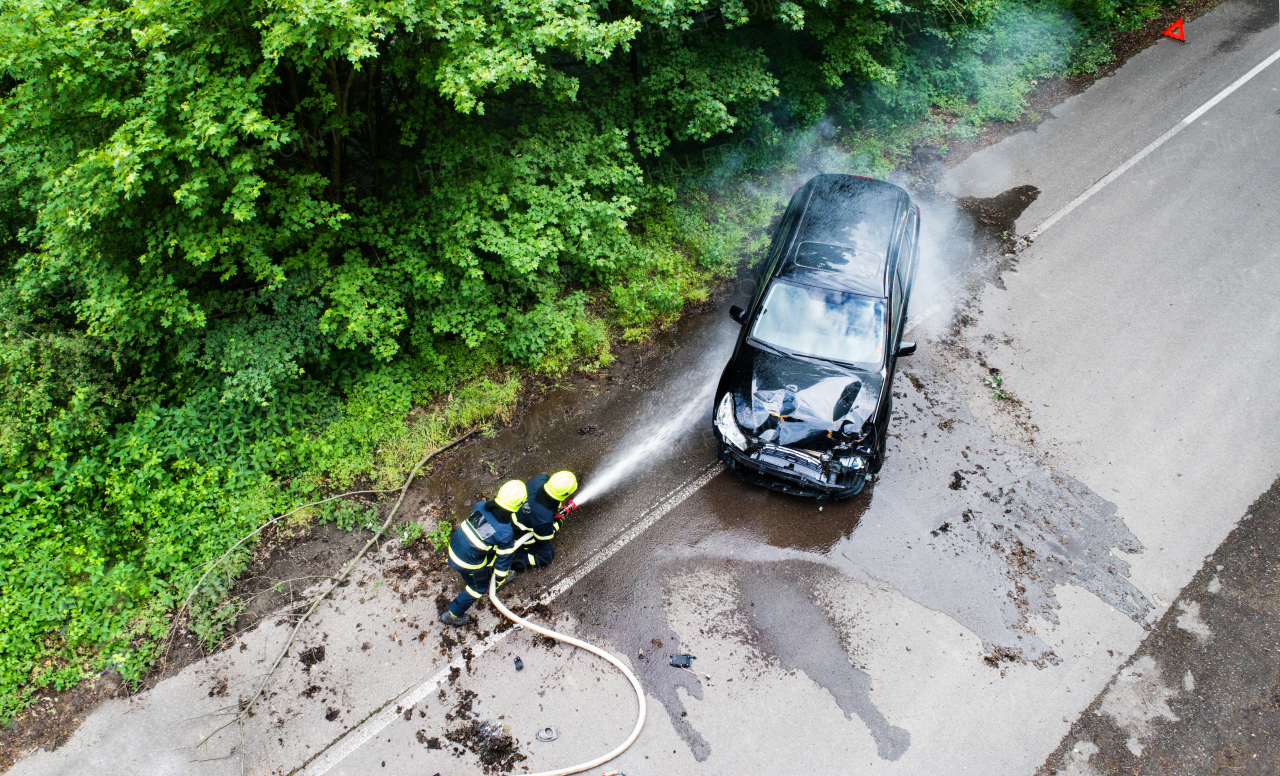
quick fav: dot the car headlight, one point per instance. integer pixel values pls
(728, 424)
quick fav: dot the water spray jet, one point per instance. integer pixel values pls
(645, 446)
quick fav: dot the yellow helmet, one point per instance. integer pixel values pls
(511, 496)
(561, 485)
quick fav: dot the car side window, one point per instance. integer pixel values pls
(776, 249)
(782, 236)
(907, 253)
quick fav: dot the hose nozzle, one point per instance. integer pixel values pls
(566, 508)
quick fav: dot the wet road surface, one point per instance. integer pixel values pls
(958, 615)
(1202, 694)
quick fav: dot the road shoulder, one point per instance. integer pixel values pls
(1202, 693)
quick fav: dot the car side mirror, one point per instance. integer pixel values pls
(907, 349)
(737, 313)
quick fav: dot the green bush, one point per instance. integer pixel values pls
(409, 532)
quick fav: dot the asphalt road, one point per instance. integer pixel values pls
(1202, 693)
(958, 617)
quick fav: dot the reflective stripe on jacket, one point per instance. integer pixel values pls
(483, 540)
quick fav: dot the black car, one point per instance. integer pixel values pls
(803, 406)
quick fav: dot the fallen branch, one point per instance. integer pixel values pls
(337, 581)
(177, 618)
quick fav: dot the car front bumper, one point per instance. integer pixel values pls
(789, 471)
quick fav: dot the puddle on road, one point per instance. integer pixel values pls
(760, 516)
(774, 612)
(631, 618)
(787, 623)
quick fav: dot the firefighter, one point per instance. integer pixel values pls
(482, 546)
(547, 502)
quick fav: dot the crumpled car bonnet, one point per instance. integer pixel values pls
(804, 405)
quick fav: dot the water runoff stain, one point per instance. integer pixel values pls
(787, 623)
(986, 530)
(780, 619)
(631, 618)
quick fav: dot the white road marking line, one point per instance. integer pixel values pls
(655, 513)
(1117, 172)
(960, 280)
(350, 741)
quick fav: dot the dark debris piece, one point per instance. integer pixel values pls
(312, 656)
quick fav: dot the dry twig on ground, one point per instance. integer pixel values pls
(336, 581)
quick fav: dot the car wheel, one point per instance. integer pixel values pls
(875, 463)
(866, 478)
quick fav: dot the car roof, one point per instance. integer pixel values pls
(849, 212)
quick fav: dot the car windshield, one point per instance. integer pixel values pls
(822, 322)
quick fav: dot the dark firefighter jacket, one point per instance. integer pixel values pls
(538, 513)
(486, 538)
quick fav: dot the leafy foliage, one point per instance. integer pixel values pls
(439, 536)
(409, 532)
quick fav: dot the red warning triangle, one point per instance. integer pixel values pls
(1175, 31)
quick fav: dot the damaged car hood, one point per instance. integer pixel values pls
(799, 403)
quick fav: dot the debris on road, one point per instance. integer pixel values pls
(549, 733)
(311, 656)
(491, 742)
(519, 664)
(683, 662)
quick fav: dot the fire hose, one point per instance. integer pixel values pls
(635, 683)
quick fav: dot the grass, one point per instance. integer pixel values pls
(995, 381)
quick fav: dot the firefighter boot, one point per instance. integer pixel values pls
(449, 618)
